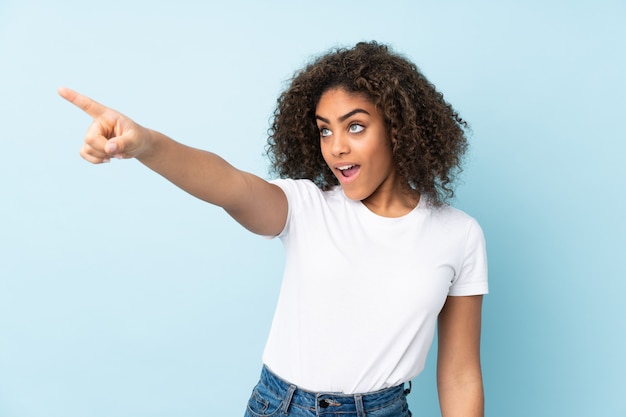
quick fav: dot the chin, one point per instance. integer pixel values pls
(355, 195)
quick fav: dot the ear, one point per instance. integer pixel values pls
(393, 136)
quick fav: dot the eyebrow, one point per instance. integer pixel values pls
(344, 117)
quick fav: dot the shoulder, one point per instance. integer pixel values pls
(462, 236)
(308, 205)
(305, 190)
(291, 186)
(452, 217)
(454, 226)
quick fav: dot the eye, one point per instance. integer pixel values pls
(325, 132)
(356, 128)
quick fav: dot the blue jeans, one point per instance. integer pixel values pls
(273, 396)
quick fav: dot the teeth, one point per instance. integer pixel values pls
(343, 168)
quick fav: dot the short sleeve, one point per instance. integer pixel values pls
(299, 193)
(471, 278)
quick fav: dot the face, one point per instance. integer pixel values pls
(355, 145)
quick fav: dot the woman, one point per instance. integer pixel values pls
(366, 149)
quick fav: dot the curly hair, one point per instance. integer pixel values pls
(427, 135)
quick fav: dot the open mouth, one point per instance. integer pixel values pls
(348, 170)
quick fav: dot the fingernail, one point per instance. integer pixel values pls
(111, 147)
(106, 160)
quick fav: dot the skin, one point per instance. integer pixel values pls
(352, 132)
(459, 377)
(259, 206)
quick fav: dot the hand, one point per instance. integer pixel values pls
(111, 134)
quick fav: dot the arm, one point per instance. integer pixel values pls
(259, 206)
(459, 377)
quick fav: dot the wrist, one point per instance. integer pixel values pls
(149, 145)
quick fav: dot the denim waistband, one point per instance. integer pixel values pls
(330, 401)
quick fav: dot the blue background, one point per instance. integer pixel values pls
(122, 296)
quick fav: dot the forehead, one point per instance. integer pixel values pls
(339, 99)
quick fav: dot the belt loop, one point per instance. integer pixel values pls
(288, 398)
(408, 390)
(360, 411)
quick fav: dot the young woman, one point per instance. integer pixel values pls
(366, 149)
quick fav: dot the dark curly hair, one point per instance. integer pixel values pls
(427, 134)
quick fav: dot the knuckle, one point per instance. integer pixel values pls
(90, 140)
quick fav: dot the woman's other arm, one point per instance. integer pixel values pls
(459, 376)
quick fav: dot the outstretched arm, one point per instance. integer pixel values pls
(459, 377)
(259, 206)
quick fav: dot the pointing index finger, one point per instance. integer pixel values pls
(89, 106)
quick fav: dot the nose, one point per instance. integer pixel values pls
(340, 145)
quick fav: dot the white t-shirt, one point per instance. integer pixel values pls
(361, 293)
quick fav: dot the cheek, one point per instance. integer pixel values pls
(381, 153)
(384, 162)
(324, 151)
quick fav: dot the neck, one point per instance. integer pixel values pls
(393, 204)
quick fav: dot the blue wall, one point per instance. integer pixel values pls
(122, 296)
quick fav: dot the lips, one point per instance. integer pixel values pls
(348, 170)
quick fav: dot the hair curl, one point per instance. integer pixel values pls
(427, 135)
